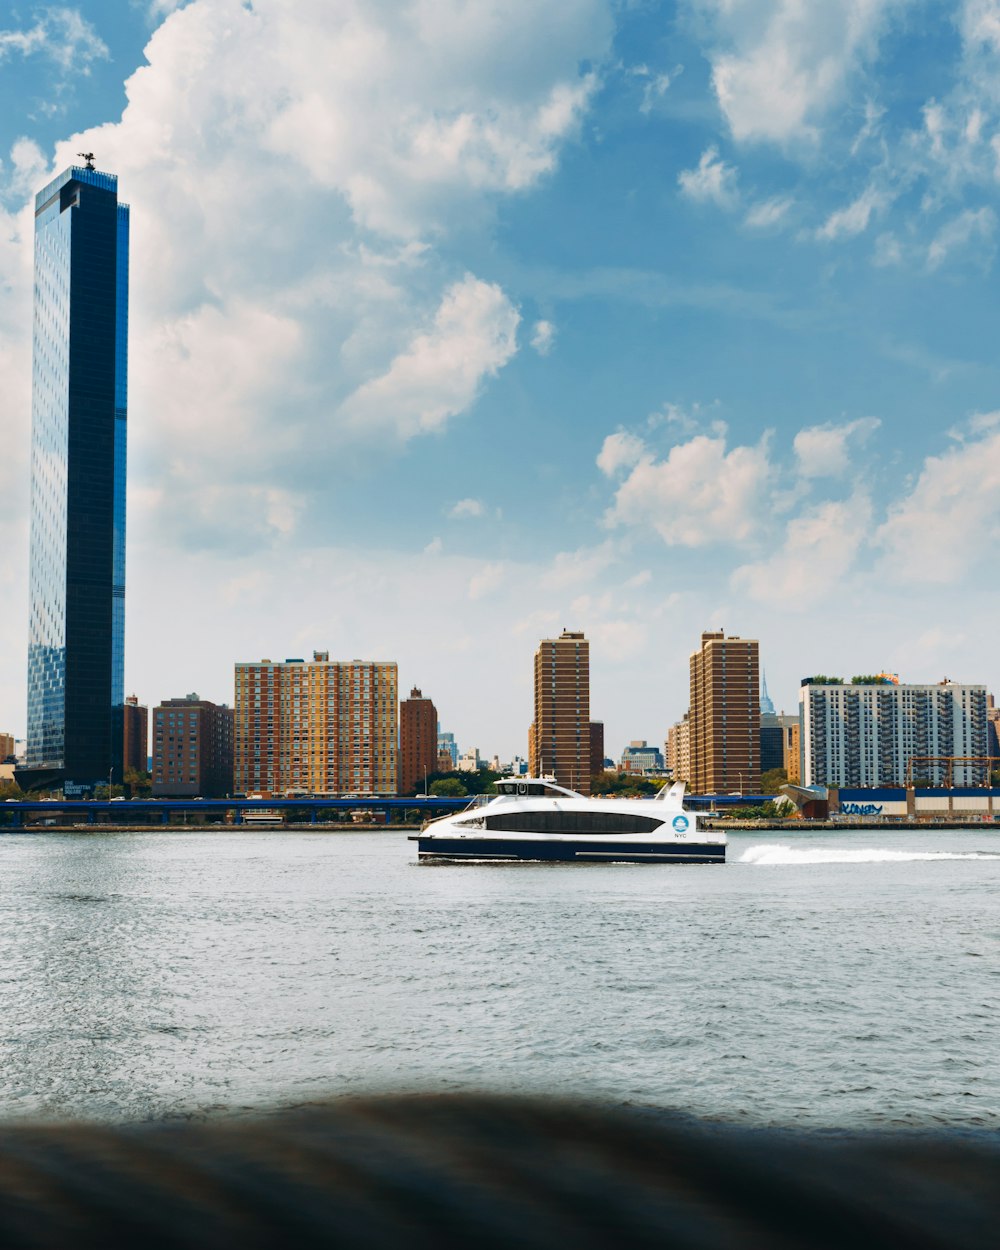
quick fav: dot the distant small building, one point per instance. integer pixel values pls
(447, 745)
(772, 742)
(192, 749)
(596, 747)
(469, 761)
(8, 748)
(639, 759)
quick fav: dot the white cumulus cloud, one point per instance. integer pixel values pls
(295, 175)
(59, 34)
(950, 521)
(973, 226)
(543, 337)
(819, 549)
(699, 495)
(710, 180)
(825, 450)
(768, 213)
(466, 508)
(779, 66)
(853, 218)
(473, 336)
(620, 450)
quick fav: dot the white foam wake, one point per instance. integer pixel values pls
(776, 853)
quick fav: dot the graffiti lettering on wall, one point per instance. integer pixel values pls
(861, 809)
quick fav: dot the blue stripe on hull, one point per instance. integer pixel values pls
(579, 852)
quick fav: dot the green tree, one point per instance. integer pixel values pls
(448, 788)
(140, 782)
(625, 784)
(772, 781)
(482, 781)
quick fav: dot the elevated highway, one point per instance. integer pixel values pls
(17, 814)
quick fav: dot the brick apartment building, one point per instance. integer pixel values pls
(192, 749)
(418, 741)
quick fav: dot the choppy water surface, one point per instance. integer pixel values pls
(846, 979)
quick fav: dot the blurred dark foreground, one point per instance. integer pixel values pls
(485, 1172)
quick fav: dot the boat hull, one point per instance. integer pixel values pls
(593, 851)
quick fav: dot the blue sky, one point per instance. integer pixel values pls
(455, 324)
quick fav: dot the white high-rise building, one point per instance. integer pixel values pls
(860, 734)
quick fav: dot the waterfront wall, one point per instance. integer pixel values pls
(927, 803)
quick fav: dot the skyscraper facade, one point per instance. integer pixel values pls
(322, 727)
(76, 647)
(725, 715)
(418, 741)
(559, 738)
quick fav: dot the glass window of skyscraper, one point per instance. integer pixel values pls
(76, 647)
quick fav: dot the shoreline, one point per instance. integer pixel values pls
(848, 826)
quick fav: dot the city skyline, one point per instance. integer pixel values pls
(620, 333)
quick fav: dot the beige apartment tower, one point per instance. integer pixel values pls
(559, 738)
(725, 715)
(318, 727)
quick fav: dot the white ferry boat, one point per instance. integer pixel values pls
(535, 819)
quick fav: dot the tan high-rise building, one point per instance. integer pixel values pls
(6, 746)
(322, 726)
(678, 754)
(559, 738)
(791, 736)
(418, 742)
(725, 715)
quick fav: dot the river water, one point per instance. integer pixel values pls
(845, 979)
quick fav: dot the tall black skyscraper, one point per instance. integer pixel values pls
(76, 647)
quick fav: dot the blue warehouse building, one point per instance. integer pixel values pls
(76, 648)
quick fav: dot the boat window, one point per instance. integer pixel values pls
(588, 824)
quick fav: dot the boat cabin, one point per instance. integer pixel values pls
(533, 787)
